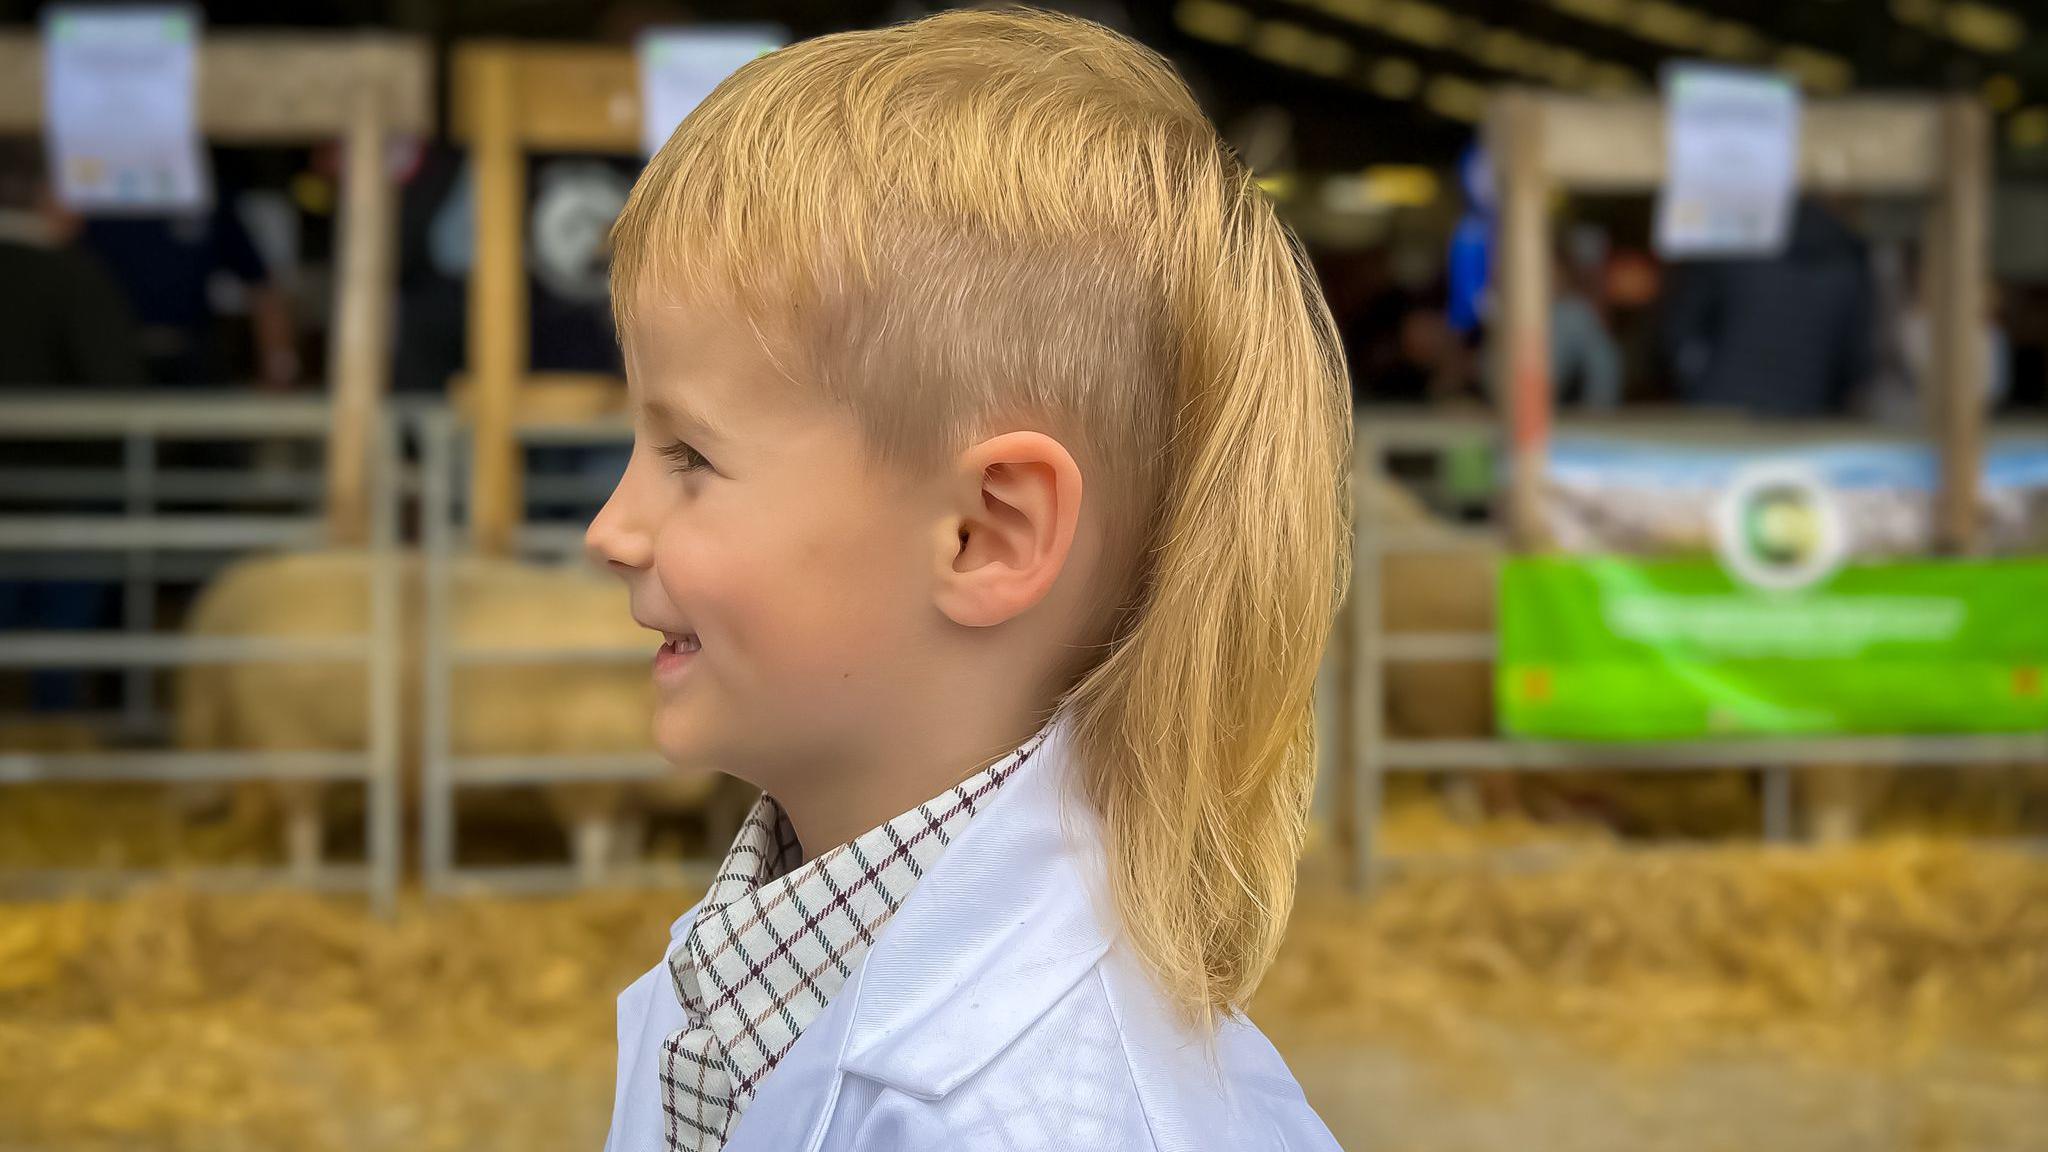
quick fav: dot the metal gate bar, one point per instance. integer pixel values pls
(137, 536)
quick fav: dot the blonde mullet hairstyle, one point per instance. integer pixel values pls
(981, 220)
(1198, 731)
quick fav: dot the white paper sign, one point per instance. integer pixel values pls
(1733, 146)
(118, 95)
(680, 66)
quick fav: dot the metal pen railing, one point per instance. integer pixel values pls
(138, 540)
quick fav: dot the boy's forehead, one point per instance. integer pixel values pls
(661, 307)
(667, 367)
(672, 340)
(651, 330)
(702, 368)
(671, 392)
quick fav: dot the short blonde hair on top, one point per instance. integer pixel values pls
(981, 218)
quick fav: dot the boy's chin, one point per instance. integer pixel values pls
(692, 760)
(687, 744)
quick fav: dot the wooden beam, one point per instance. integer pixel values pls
(360, 354)
(1859, 144)
(567, 98)
(263, 87)
(1520, 356)
(498, 316)
(1957, 273)
(509, 99)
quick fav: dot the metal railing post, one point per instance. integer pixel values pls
(437, 815)
(385, 846)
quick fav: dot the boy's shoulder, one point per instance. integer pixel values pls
(1107, 1066)
(1002, 1009)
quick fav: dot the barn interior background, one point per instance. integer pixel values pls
(1685, 739)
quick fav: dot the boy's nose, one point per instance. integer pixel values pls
(615, 541)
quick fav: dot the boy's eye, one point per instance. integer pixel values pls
(686, 458)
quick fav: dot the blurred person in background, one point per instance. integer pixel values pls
(2023, 311)
(1369, 308)
(63, 327)
(63, 321)
(1585, 361)
(1785, 335)
(1631, 288)
(176, 270)
(1398, 343)
(1416, 364)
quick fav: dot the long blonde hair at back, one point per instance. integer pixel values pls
(981, 218)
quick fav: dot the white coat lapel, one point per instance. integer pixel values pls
(988, 941)
(648, 1013)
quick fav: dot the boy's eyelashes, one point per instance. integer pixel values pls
(684, 457)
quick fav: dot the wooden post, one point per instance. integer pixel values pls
(497, 301)
(1521, 354)
(360, 354)
(510, 100)
(1954, 295)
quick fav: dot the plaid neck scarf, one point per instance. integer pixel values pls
(776, 938)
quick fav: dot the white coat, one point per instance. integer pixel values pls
(997, 1011)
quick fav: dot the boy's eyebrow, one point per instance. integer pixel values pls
(674, 412)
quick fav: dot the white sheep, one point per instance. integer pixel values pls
(575, 708)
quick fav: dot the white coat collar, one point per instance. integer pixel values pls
(991, 939)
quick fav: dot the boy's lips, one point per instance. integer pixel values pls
(674, 656)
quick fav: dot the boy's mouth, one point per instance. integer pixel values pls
(677, 652)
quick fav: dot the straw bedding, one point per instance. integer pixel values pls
(273, 1020)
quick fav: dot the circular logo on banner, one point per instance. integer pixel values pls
(1778, 527)
(572, 214)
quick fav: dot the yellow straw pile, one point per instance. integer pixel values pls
(1902, 944)
(279, 1020)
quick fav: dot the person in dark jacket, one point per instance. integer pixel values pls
(63, 327)
(63, 321)
(1788, 335)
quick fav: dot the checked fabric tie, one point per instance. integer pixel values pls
(776, 938)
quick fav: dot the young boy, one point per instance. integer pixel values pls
(987, 490)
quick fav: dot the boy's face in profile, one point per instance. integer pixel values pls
(753, 528)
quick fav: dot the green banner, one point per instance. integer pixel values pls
(1616, 648)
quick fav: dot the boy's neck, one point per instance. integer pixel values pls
(833, 804)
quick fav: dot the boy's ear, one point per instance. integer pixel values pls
(1017, 508)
